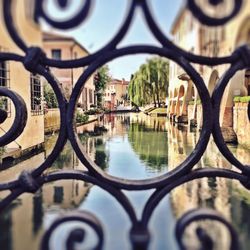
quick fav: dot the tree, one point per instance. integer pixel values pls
(101, 78)
(50, 97)
(150, 83)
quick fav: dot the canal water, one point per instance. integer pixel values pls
(131, 146)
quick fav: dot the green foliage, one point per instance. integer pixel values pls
(93, 111)
(193, 102)
(2, 150)
(150, 144)
(101, 79)
(237, 99)
(150, 83)
(158, 111)
(100, 154)
(50, 97)
(81, 118)
(4, 103)
(242, 99)
(64, 160)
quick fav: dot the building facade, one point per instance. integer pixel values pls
(15, 77)
(116, 94)
(185, 31)
(189, 34)
(60, 47)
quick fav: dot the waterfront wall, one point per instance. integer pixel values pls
(51, 121)
(239, 117)
(241, 123)
(195, 116)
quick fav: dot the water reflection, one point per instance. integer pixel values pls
(130, 146)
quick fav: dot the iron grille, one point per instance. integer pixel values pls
(36, 62)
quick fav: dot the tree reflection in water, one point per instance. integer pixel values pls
(147, 140)
(150, 144)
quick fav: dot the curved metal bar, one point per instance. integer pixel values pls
(62, 136)
(19, 188)
(8, 185)
(20, 116)
(157, 196)
(35, 61)
(156, 31)
(75, 235)
(10, 198)
(110, 46)
(212, 21)
(9, 23)
(203, 214)
(183, 168)
(68, 24)
(84, 176)
(4, 56)
(216, 99)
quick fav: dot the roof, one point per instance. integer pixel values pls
(53, 37)
(118, 81)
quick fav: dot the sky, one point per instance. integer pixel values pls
(104, 21)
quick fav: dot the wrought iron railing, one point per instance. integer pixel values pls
(36, 62)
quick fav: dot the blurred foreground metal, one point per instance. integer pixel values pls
(36, 62)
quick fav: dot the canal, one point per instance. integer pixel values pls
(132, 146)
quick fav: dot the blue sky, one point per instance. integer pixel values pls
(105, 19)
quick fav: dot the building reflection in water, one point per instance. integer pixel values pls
(25, 218)
(220, 194)
(149, 144)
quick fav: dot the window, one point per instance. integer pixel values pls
(36, 95)
(4, 74)
(58, 195)
(56, 54)
(5, 82)
(90, 96)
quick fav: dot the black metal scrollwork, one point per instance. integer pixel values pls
(20, 118)
(211, 21)
(40, 12)
(205, 240)
(76, 235)
(37, 62)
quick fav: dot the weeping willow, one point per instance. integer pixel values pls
(149, 84)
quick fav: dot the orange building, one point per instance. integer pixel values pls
(116, 93)
(61, 47)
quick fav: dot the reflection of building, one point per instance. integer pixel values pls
(210, 193)
(65, 194)
(15, 77)
(67, 48)
(116, 94)
(208, 41)
(29, 215)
